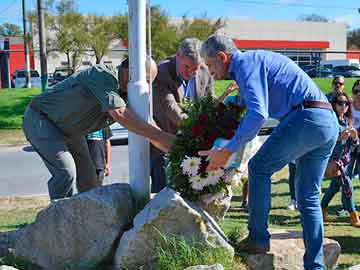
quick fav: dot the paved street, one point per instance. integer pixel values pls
(23, 172)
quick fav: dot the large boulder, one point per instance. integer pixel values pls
(77, 232)
(169, 215)
(217, 205)
(287, 250)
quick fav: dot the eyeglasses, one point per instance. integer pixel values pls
(342, 103)
(338, 83)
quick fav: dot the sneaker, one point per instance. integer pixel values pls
(342, 212)
(292, 205)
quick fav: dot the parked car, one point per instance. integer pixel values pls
(120, 134)
(346, 71)
(321, 72)
(19, 78)
(60, 74)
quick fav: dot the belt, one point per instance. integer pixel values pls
(36, 109)
(314, 104)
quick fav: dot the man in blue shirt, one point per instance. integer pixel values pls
(271, 85)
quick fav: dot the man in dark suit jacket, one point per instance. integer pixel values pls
(180, 77)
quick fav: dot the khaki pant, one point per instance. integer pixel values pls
(67, 159)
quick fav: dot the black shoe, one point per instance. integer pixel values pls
(246, 246)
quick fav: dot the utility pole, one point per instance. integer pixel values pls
(42, 42)
(26, 51)
(138, 93)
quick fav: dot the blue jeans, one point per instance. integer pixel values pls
(307, 136)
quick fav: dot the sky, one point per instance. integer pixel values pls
(274, 10)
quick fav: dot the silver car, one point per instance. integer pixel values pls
(120, 134)
(19, 79)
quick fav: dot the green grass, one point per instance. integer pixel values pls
(323, 83)
(16, 218)
(338, 229)
(12, 106)
(176, 254)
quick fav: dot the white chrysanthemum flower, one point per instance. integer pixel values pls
(197, 182)
(213, 177)
(190, 165)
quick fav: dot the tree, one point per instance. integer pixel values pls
(353, 39)
(70, 37)
(10, 30)
(314, 18)
(200, 28)
(164, 35)
(102, 31)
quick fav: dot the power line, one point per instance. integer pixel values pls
(254, 2)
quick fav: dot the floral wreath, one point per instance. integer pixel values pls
(207, 122)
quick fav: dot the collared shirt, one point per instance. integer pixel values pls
(189, 86)
(190, 89)
(270, 85)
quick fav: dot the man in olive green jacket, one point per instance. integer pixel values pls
(56, 122)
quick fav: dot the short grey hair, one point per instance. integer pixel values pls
(190, 47)
(217, 43)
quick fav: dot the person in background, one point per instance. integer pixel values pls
(348, 138)
(100, 152)
(182, 77)
(354, 166)
(338, 85)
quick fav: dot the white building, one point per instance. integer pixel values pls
(295, 39)
(304, 42)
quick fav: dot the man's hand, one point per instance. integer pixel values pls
(107, 169)
(217, 158)
(164, 141)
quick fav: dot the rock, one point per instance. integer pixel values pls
(77, 232)
(6, 267)
(217, 205)
(286, 252)
(206, 267)
(355, 267)
(7, 242)
(168, 214)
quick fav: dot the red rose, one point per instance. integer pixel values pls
(239, 109)
(197, 130)
(229, 134)
(203, 118)
(220, 109)
(207, 144)
(233, 124)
